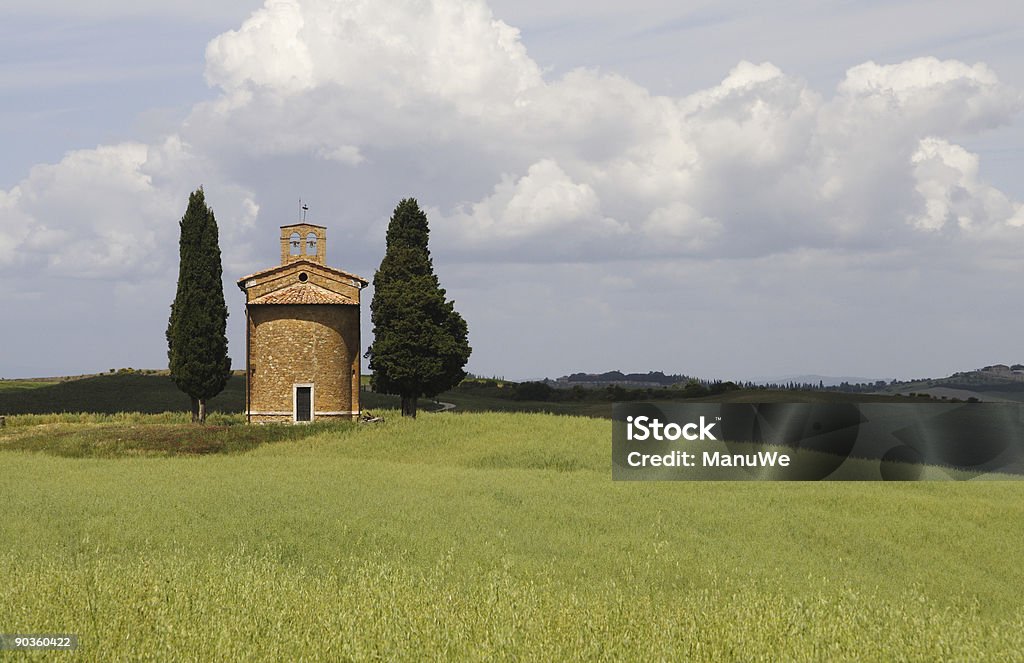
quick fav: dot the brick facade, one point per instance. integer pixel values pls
(302, 334)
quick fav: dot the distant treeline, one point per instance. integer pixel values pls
(545, 392)
(580, 391)
(618, 376)
(678, 381)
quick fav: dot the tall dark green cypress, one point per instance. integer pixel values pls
(197, 343)
(420, 342)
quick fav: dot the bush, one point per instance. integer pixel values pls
(532, 391)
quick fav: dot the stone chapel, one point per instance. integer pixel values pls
(302, 334)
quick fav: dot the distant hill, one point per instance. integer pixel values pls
(999, 382)
(995, 383)
(119, 392)
(154, 392)
(149, 392)
(997, 376)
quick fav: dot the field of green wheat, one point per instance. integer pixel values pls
(478, 536)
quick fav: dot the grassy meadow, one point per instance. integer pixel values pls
(10, 386)
(478, 536)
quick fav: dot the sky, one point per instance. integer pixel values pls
(727, 190)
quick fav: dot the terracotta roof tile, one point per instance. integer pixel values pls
(303, 293)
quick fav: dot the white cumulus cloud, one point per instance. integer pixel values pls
(544, 204)
(580, 166)
(952, 195)
(111, 211)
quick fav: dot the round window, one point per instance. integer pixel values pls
(303, 277)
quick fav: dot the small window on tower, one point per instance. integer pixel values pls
(294, 244)
(303, 277)
(311, 244)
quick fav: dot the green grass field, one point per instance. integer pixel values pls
(479, 536)
(11, 386)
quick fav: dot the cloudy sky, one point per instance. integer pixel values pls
(723, 189)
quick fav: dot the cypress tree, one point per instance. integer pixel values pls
(197, 343)
(421, 343)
